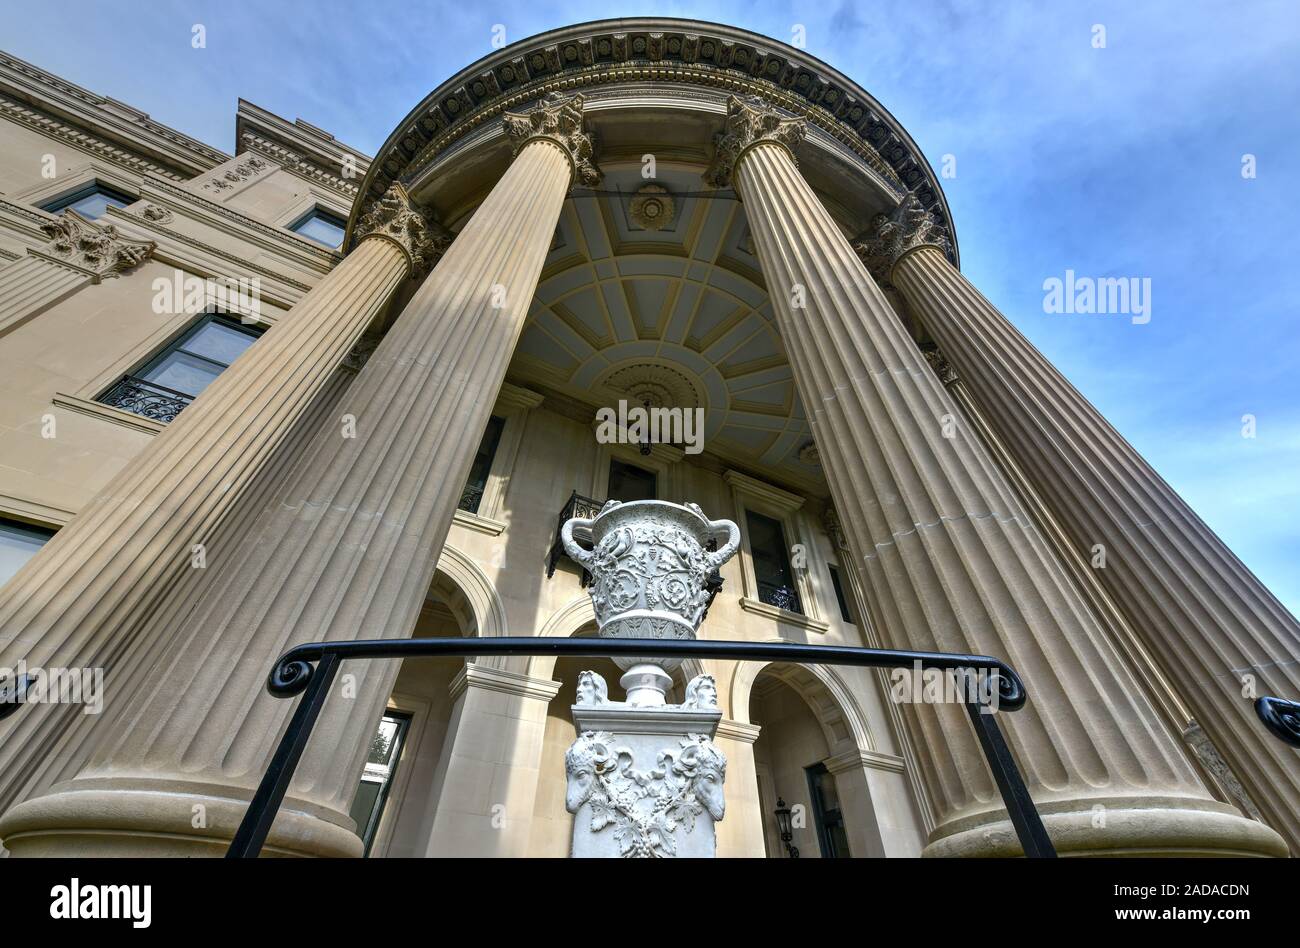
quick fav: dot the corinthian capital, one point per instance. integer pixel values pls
(940, 366)
(557, 119)
(890, 236)
(399, 219)
(749, 121)
(97, 248)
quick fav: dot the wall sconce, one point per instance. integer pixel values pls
(787, 831)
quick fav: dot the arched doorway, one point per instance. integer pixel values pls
(393, 808)
(806, 755)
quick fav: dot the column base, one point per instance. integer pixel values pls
(1158, 826)
(158, 821)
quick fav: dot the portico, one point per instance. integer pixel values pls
(681, 217)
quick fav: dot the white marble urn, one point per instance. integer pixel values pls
(649, 568)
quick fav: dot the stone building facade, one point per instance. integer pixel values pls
(299, 393)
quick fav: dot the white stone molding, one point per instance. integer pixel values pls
(824, 691)
(484, 600)
(507, 682)
(97, 249)
(117, 416)
(871, 760)
(31, 511)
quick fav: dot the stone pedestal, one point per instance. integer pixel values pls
(644, 782)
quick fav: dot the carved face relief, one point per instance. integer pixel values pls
(702, 692)
(585, 761)
(708, 790)
(592, 689)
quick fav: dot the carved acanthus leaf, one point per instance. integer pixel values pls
(749, 121)
(99, 248)
(398, 218)
(557, 119)
(947, 375)
(891, 235)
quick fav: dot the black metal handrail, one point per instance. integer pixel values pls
(1281, 717)
(295, 674)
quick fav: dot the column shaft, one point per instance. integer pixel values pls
(347, 551)
(955, 565)
(81, 600)
(1207, 620)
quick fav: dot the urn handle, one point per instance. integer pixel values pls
(580, 556)
(729, 548)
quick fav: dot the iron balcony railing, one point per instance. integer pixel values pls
(783, 597)
(147, 399)
(576, 506)
(470, 498)
(309, 670)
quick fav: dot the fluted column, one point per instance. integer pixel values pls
(82, 600)
(79, 253)
(1206, 620)
(953, 562)
(347, 551)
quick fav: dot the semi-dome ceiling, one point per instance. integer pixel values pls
(651, 292)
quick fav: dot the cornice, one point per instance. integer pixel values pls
(168, 238)
(39, 121)
(783, 500)
(311, 146)
(293, 161)
(274, 239)
(134, 132)
(657, 49)
(506, 682)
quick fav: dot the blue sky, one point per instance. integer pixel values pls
(1122, 161)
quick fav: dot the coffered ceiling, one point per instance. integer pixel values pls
(651, 292)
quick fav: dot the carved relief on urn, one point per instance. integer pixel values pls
(649, 566)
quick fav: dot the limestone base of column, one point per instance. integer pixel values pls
(161, 819)
(644, 782)
(1147, 826)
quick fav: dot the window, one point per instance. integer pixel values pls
(839, 596)
(19, 542)
(831, 837)
(629, 482)
(767, 544)
(377, 778)
(472, 495)
(174, 377)
(91, 201)
(321, 226)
